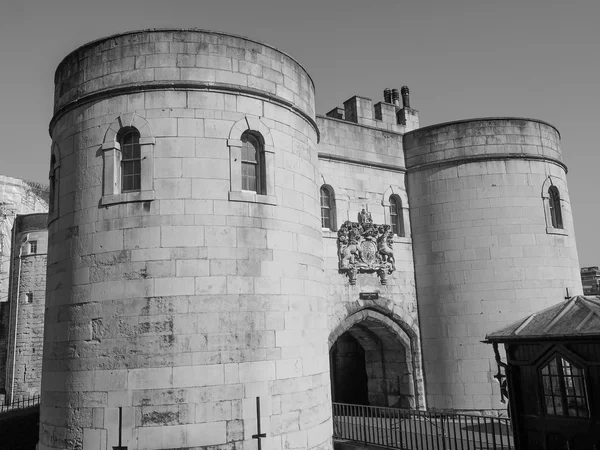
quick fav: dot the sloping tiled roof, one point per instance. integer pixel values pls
(577, 317)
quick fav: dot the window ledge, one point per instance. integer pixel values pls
(552, 230)
(402, 240)
(252, 197)
(329, 234)
(127, 197)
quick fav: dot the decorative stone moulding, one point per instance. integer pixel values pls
(365, 247)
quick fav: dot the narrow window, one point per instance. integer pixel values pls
(555, 212)
(32, 247)
(396, 216)
(29, 297)
(131, 160)
(252, 164)
(564, 389)
(51, 200)
(327, 208)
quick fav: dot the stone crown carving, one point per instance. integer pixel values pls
(365, 247)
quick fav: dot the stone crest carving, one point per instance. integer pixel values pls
(365, 247)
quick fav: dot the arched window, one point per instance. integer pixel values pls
(396, 216)
(131, 159)
(564, 388)
(554, 203)
(251, 162)
(327, 208)
(128, 161)
(253, 178)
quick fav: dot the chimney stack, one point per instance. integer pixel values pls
(395, 97)
(405, 97)
(387, 95)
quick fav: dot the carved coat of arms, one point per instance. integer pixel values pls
(365, 247)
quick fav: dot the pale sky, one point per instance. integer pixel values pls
(460, 58)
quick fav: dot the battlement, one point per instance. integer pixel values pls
(387, 114)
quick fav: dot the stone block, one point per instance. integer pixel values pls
(184, 147)
(193, 376)
(214, 128)
(107, 241)
(94, 439)
(207, 168)
(225, 267)
(142, 238)
(210, 189)
(163, 126)
(206, 100)
(155, 378)
(182, 236)
(190, 127)
(257, 371)
(192, 268)
(288, 368)
(248, 105)
(240, 285)
(206, 434)
(167, 168)
(220, 236)
(165, 99)
(174, 286)
(110, 380)
(210, 285)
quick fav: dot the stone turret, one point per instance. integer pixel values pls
(491, 243)
(185, 253)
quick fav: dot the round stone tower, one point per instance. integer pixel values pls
(185, 249)
(493, 240)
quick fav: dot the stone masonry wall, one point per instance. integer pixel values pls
(183, 308)
(27, 302)
(484, 253)
(16, 197)
(365, 166)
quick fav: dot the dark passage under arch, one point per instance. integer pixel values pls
(369, 367)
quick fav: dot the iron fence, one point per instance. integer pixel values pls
(420, 430)
(20, 403)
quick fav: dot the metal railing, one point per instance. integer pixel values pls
(420, 430)
(20, 403)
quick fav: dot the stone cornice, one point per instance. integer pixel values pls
(483, 158)
(181, 86)
(429, 128)
(361, 162)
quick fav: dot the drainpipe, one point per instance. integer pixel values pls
(17, 300)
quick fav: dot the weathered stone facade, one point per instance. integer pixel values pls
(486, 248)
(16, 197)
(25, 333)
(182, 303)
(176, 304)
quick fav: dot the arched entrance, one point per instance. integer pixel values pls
(371, 362)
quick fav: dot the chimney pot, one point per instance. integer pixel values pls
(405, 97)
(395, 97)
(387, 95)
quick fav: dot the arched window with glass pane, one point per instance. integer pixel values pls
(396, 216)
(252, 163)
(131, 159)
(327, 208)
(555, 210)
(564, 390)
